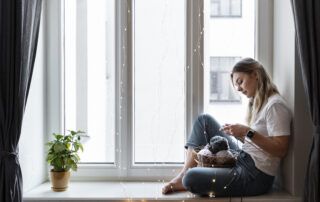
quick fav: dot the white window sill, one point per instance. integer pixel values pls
(134, 191)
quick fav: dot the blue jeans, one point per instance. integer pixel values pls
(244, 179)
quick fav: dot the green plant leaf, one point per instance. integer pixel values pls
(77, 156)
(50, 157)
(74, 167)
(58, 147)
(62, 151)
(59, 137)
(49, 144)
(81, 147)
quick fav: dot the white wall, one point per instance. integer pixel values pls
(287, 77)
(33, 134)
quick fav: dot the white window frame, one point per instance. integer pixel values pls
(123, 169)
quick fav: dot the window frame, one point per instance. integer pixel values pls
(194, 84)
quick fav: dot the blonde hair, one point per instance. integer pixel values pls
(265, 86)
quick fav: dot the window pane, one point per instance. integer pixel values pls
(90, 76)
(235, 7)
(225, 8)
(221, 67)
(226, 41)
(159, 81)
(214, 7)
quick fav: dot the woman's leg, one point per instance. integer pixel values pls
(242, 180)
(211, 181)
(204, 127)
(176, 183)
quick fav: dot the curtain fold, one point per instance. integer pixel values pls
(19, 29)
(307, 25)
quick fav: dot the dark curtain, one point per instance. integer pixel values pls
(307, 24)
(19, 28)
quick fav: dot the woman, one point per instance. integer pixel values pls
(265, 140)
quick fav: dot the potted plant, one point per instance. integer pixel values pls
(63, 155)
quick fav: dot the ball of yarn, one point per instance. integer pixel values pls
(205, 152)
(218, 143)
(225, 156)
(224, 153)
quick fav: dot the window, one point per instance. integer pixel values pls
(124, 85)
(226, 8)
(220, 68)
(226, 41)
(132, 75)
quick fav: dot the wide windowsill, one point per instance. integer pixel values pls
(135, 191)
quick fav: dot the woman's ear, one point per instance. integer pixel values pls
(255, 74)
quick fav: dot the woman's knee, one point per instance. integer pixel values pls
(189, 179)
(204, 116)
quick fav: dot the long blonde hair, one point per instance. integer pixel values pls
(265, 86)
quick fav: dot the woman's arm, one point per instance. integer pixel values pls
(275, 145)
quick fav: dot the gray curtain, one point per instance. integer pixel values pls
(307, 24)
(19, 28)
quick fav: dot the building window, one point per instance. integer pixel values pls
(220, 88)
(131, 87)
(226, 8)
(134, 115)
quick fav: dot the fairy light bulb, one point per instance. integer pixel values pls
(213, 180)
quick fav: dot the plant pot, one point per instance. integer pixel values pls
(59, 180)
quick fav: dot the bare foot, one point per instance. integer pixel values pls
(174, 185)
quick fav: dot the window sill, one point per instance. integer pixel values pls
(134, 191)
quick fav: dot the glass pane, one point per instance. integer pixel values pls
(90, 76)
(159, 81)
(235, 7)
(214, 7)
(225, 7)
(226, 41)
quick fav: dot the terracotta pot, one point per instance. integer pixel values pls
(59, 180)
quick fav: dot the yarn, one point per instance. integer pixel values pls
(218, 143)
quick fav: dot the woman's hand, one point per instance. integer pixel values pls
(275, 145)
(236, 130)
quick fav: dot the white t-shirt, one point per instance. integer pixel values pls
(273, 120)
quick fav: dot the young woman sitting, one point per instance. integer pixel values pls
(265, 140)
